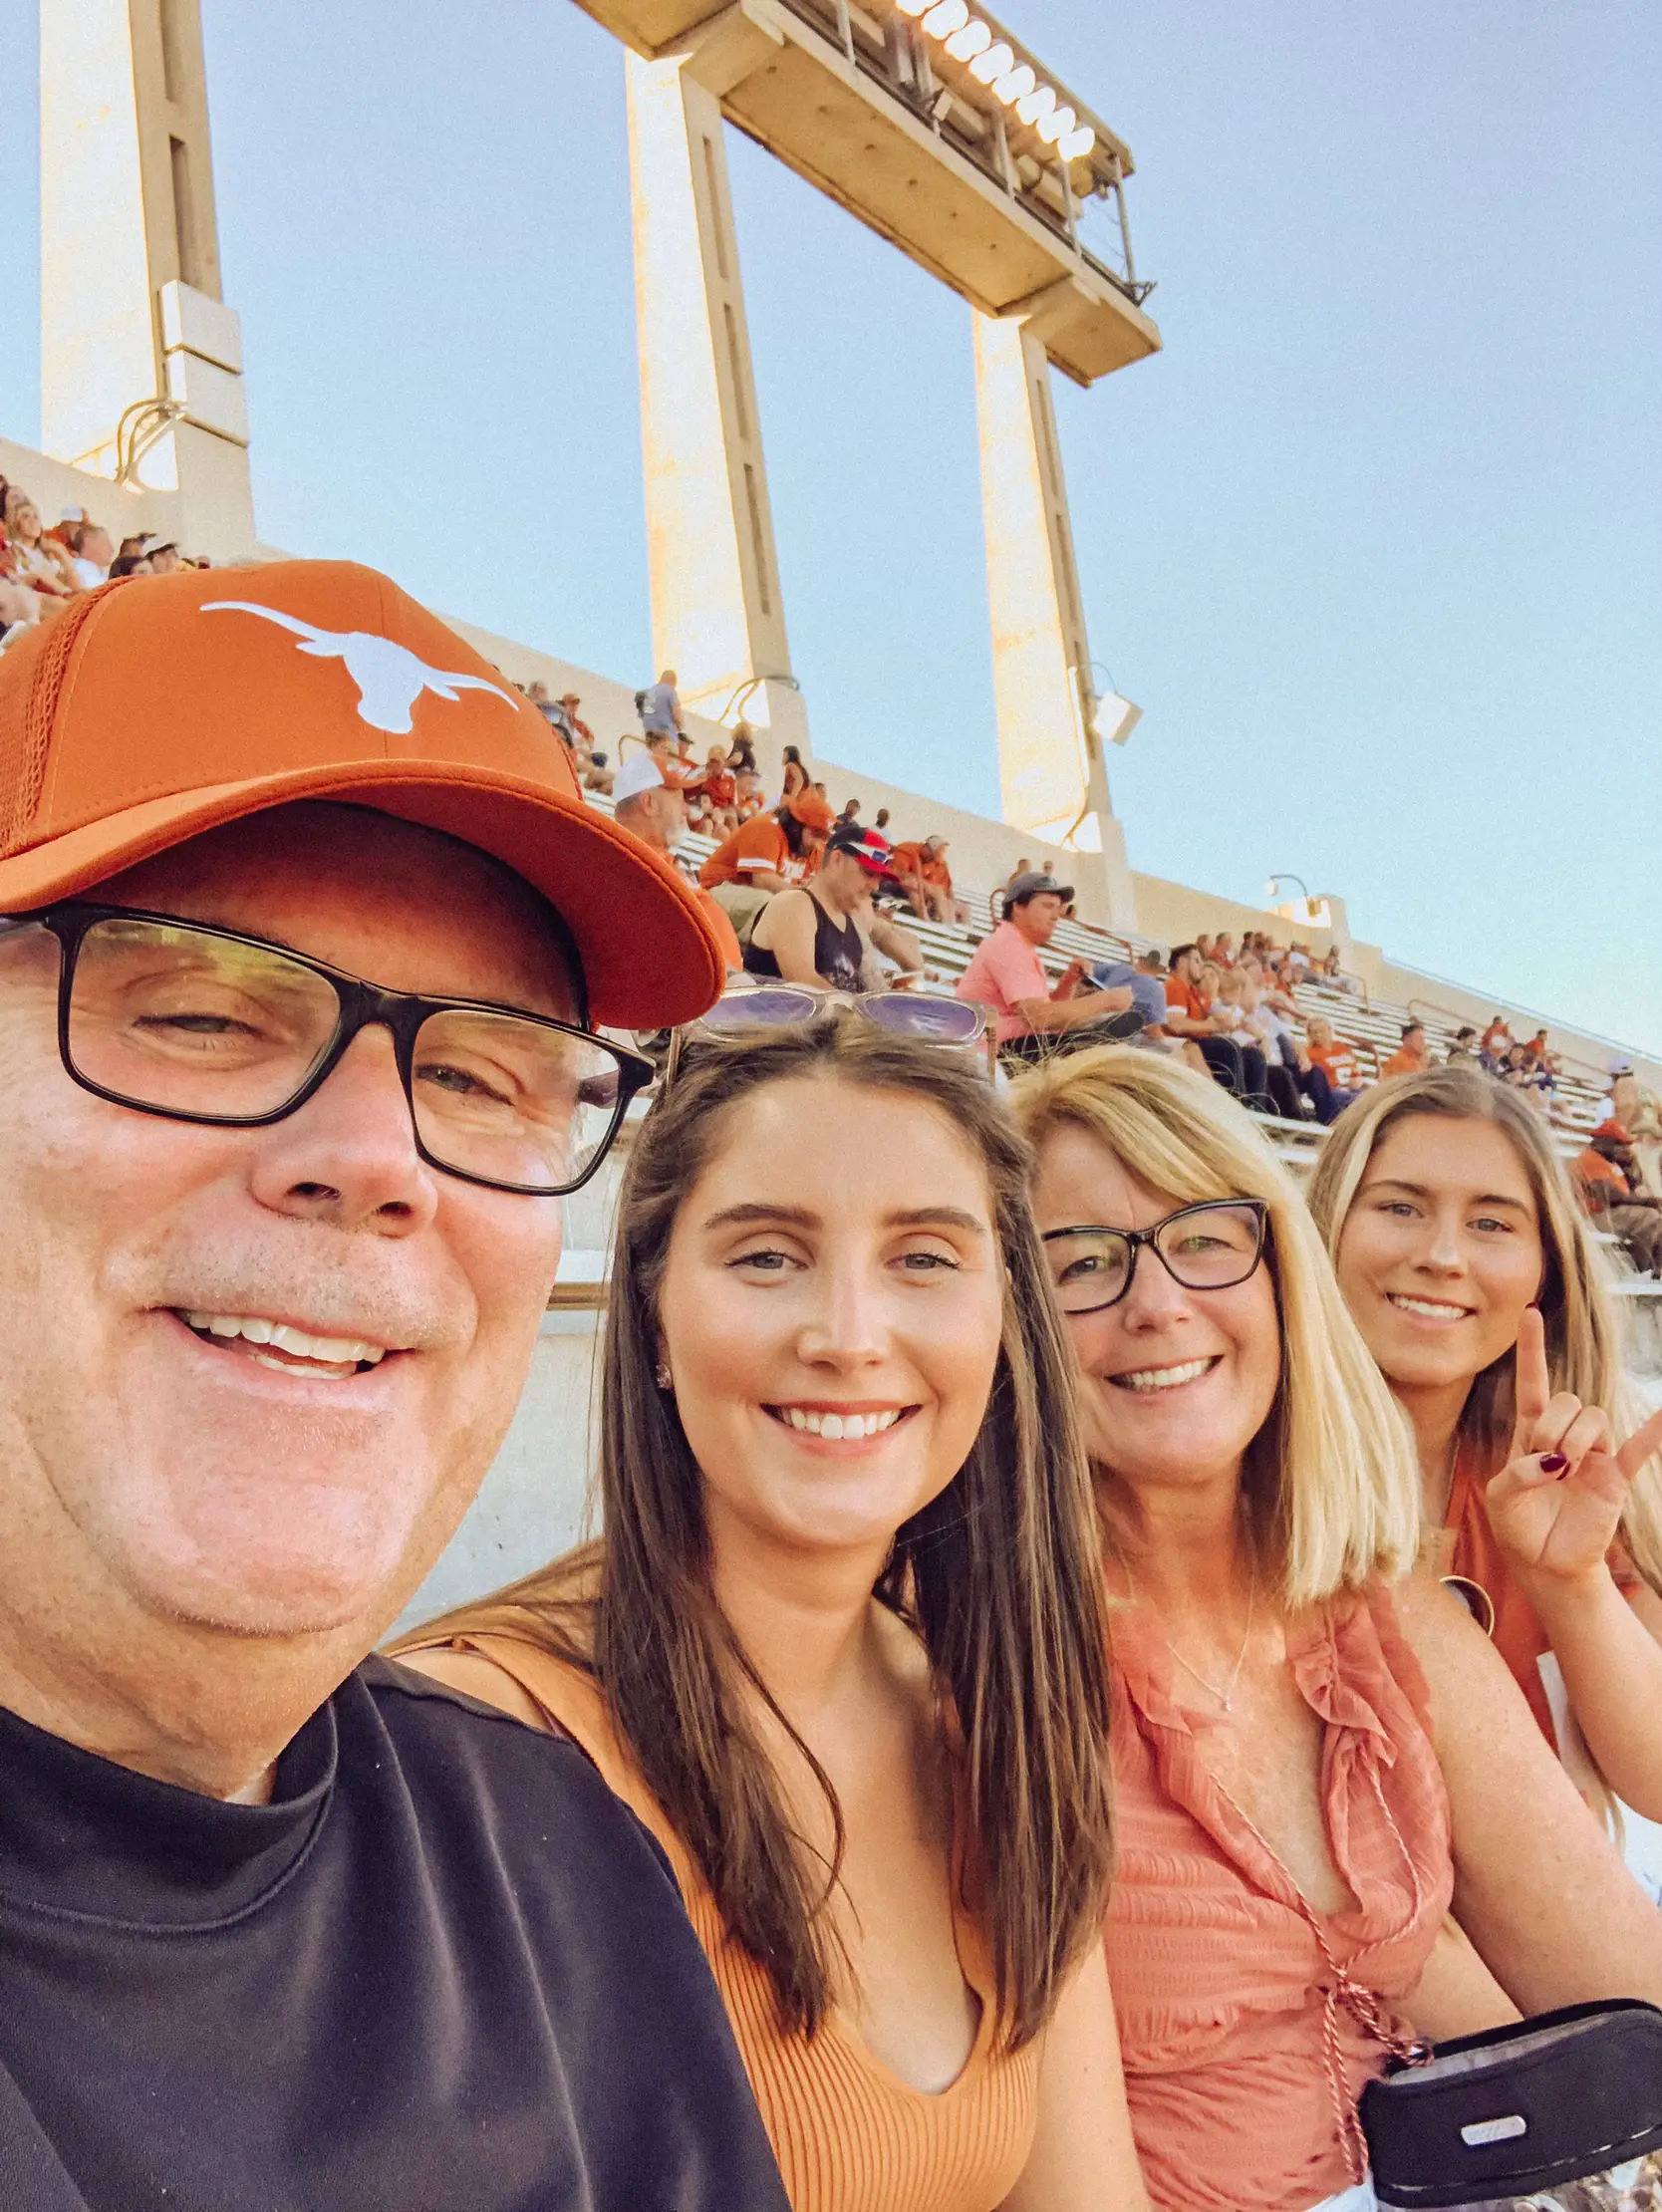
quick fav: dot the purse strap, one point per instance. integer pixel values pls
(1365, 2006)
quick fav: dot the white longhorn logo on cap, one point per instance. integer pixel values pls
(388, 676)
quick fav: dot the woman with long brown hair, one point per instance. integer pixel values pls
(1311, 1757)
(841, 1643)
(1469, 1270)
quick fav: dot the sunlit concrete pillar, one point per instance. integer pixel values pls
(130, 306)
(716, 614)
(1051, 771)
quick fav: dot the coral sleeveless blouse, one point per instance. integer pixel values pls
(849, 2134)
(1244, 2053)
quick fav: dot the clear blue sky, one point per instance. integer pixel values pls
(1376, 543)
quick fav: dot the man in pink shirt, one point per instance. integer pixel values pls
(1006, 974)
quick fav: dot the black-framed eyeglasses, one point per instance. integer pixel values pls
(1209, 1246)
(193, 1023)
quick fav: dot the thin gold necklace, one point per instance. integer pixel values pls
(1224, 1696)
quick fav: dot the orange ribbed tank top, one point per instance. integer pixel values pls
(849, 2135)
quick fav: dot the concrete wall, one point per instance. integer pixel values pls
(55, 486)
(983, 852)
(532, 1505)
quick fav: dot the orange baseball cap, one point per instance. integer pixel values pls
(812, 811)
(155, 708)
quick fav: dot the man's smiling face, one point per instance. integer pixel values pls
(253, 1376)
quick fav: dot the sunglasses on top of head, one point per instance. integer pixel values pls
(752, 1008)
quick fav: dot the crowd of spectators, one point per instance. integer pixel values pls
(806, 893)
(1619, 1174)
(43, 569)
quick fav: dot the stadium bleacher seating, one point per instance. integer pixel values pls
(1372, 1027)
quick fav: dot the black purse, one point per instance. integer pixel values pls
(1559, 2113)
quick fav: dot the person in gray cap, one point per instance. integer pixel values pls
(1035, 1018)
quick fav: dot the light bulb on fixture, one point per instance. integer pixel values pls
(1077, 144)
(974, 39)
(1036, 105)
(1056, 124)
(992, 63)
(1011, 89)
(946, 17)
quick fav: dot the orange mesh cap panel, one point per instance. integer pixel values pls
(160, 707)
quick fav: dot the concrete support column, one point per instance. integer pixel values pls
(716, 614)
(130, 306)
(1051, 769)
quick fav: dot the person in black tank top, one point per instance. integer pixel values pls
(839, 949)
(823, 931)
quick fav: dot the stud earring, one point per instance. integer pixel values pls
(666, 1380)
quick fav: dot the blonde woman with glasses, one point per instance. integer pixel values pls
(1312, 1759)
(1469, 1270)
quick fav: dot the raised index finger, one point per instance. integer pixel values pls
(1533, 1386)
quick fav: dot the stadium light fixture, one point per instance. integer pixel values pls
(946, 17)
(994, 61)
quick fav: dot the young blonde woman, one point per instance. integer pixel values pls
(1469, 1268)
(1310, 1765)
(841, 1647)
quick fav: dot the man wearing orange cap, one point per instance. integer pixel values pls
(1607, 1176)
(303, 927)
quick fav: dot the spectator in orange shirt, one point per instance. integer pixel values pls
(1495, 1044)
(1240, 1067)
(1412, 1057)
(927, 880)
(720, 791)
(748, 801)
(1607, 1178)
(711, 797)
(1007, 975)
(656, 813)
(766, 854)
(1336, 1062)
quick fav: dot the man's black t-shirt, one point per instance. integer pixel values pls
(443, 1970)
